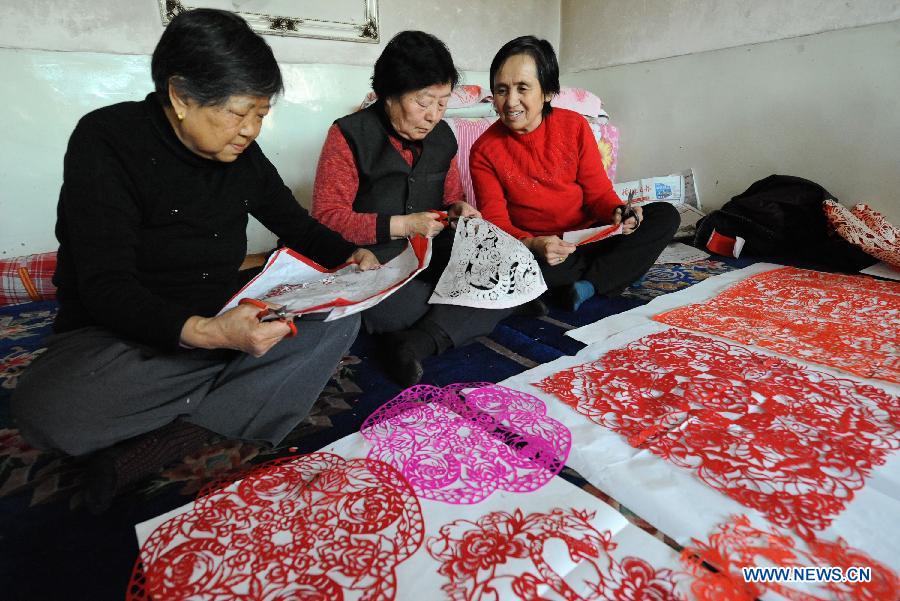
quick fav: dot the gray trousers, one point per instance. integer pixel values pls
(91, 388)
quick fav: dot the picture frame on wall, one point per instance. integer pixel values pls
(345, 20)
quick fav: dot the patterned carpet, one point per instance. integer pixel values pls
(52, 548)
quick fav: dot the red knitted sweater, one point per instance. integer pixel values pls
(337, 182)
(545, 182)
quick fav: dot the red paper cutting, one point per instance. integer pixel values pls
(848, 322)
(738, 544)
(311, 527)
(503, 556)
(793, 443)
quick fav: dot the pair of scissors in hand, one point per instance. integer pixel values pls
(268, 313)
(628, 212)
(443, 217)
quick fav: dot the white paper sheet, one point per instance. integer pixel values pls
(488, 269)
(303, 286)
(699, 292)
(591, 234)
(883, 270)
(677, 502)
(417, 577)
(676, 252)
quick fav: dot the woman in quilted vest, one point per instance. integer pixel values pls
(384, 174)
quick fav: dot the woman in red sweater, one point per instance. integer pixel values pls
(537, 173)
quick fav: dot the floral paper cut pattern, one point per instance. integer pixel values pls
(768, 433)
(316, 527)
(503, 556)
(867, 229)
(739, 544)
(488, 268)
(842, 321)
(460, 450)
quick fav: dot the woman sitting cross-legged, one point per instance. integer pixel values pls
(152, 229)
(383, 173)
(537, 173)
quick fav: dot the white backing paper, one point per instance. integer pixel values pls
(699, 292)
(882, 270)
(673, 499)
(418, 578)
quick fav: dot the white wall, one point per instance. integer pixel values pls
(473, 30)
(47, 92)
(616, 32)
(825, 107)
(60, 59)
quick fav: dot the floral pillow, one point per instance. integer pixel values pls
(866, 228)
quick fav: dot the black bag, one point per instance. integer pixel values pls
(781, 218)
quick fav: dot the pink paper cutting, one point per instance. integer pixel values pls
(479, 560)
(848, 322)
(311, 527)
(459, 449)
(793, 443)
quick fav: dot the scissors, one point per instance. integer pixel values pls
(442, 216)
(268, 313)
(628, 212)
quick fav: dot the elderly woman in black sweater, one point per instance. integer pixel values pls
(152, 228)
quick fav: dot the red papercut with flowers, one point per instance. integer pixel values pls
(790, 442)
(504, 556)
(459, 448)
(311, 527)
(842, 321)
(739, 544)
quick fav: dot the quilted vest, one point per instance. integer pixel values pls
(387, 183)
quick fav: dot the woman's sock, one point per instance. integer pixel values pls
(579, 292)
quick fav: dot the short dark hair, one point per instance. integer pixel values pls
(544, 59)
(210, 55)
(412, 60)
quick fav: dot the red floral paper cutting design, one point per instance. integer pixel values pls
(793, 443)
(843, 321)
(503, 556)
(460, 449)
(866, 228)
(311, 527)
(739, 544)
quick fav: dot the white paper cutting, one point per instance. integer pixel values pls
(303, 286)
(591, 234)
(488, 269)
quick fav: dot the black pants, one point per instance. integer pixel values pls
(613, 264)
(409, 306)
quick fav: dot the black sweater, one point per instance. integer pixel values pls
(151, 234)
